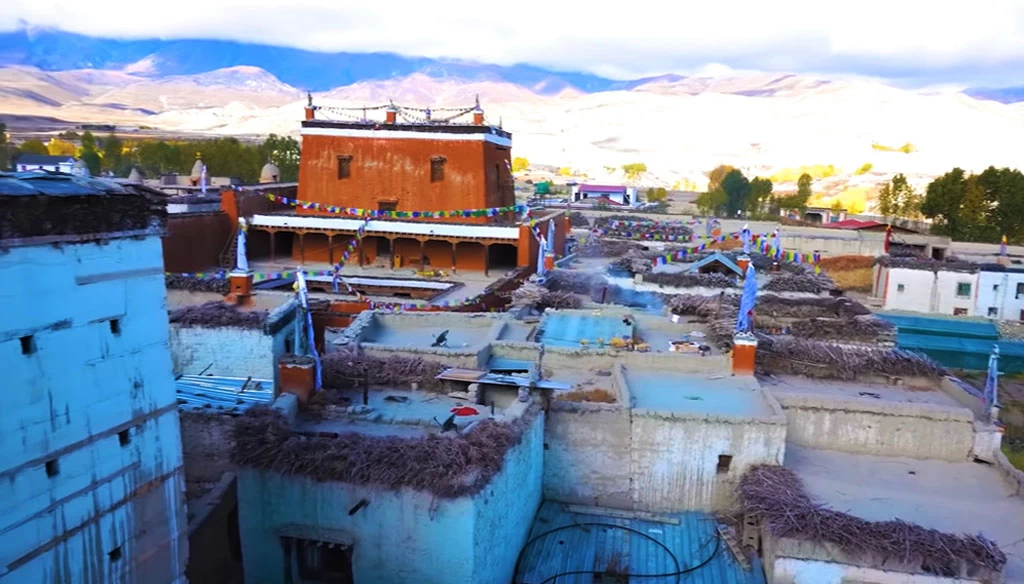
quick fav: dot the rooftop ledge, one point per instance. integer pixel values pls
(380, 227)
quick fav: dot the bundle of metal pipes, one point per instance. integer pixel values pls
(229, 395)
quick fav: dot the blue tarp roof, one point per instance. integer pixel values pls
(925, 325)
(55, 185)
(717, 257)
(689, 536)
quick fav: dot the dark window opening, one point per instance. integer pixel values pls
(124, 437)
(1020, 289)
(387, 205)
(324, 562)
(993, 312)
(963, 289)
(234, 541)
(959, 312)
(724, 462)
(288, 345)
(437, 168)
(900, 287)
(115, 326)
(52, 468)
(344, 167)
(114, 554)
(28, 345)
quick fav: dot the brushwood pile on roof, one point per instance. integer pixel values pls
(444, 465)
(218, 314)
(36, 204)
(776, 496)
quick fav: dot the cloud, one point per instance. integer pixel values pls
(903, 40)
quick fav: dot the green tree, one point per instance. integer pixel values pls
(1004, 192)
(711, 202)
(803, 189)
(520, 164)
(897, 198)
(32, 146)
(760, 194)
(942, 200)
(92, 161)
(88, 141)
(5, 148)
(284, 152)
(737, 192)
(633, 170)
(717, 174)
(113, 156)
(656, 195)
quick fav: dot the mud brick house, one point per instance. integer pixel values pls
(407, 162)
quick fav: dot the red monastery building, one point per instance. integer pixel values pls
(396, 168)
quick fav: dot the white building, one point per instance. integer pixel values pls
(1000, 294)
(30, 162)
(927, 289)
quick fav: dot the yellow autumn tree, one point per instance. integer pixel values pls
(520, 164)
(58, 147)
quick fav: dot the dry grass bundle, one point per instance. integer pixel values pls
(846, 262)
(601, 396)
(193, 284)
(343, 369)
(218, 314)
(627, 226)
(951, 264)
(810, 283)
(781, 307)
(688, 280)
(577, 219)
(446, 465)
(861, 328)
(605, 248)
(775, 496)
(536, 296)
(824, 360)
(859, 280)
(635, 262)
(571, 281)
(561, 300)
(697, 305)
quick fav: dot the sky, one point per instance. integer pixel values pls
(905, 41)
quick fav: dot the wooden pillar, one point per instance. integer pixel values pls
(423, 254)
(359, 250)
(330, 248)
(302, 248)
(391, 253)
(454, 265)
(487, 259)
(273, 248)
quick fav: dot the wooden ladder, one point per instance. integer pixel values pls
(730, 540)
(227, 255)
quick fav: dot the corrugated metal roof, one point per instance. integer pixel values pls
(55, 185)
(226, 395)
(43, 159)
(689, 536)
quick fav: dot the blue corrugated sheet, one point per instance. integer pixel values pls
(592, 548)
(55, 185)
(226, 395)
(923, 325)
(504, 364)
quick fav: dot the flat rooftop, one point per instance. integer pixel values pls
(260, 300)
(473, 282)
(391, 412)
(793, 386)
(567, 329)
(690, 537)
(422, 332)
(954, 497)
(673, 392)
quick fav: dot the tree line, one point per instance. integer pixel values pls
(977, 207)
(222, 156)
(730, 192)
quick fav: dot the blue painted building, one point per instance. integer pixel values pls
(297, 527)
(91, 475)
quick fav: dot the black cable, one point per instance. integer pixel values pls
(679, 572)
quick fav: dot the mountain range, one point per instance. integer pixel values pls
(678, 125)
